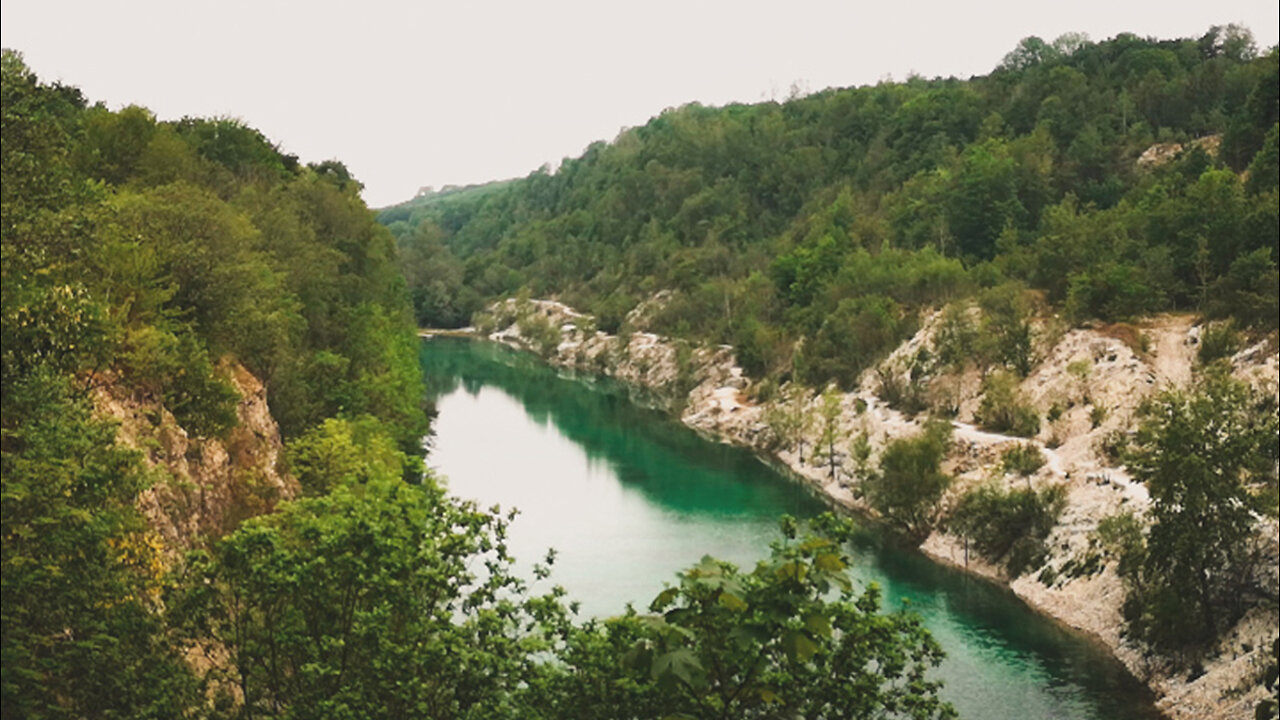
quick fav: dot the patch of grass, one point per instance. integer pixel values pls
(1137, 341)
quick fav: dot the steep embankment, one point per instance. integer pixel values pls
(1089, 382)
(202, 487)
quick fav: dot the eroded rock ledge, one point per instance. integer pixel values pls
(201, 488)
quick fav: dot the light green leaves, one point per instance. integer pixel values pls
(680, 664)
(732, 601)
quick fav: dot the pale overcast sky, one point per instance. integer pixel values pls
(429, 93)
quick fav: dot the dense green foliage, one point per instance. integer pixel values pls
(791, 638)
(383, 599)
(380, 599)
(836, 216)
(149, 255)
(81, 635)
(1209, 459)
(910, 482)
(1022, 459)
(1009, 525)
(161, 247)
(1003, 409)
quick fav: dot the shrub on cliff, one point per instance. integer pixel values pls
(1009, 525)
(1003, 408)
(540, 332)
(910, 482)
(1023, 459)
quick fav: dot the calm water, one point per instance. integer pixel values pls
(628, 497)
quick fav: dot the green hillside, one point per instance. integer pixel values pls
(837, 216)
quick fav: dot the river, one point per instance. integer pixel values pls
(628, 496)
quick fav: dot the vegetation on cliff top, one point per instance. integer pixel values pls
(836, 216)
(145, 253)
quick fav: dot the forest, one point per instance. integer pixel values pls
(154, 258)
(1100, 180)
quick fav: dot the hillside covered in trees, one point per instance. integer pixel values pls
(150, 258)
(163, 261)
(1117, 178)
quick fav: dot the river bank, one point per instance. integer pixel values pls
(628, 496)
(710, 393)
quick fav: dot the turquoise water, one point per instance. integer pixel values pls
(627, 497)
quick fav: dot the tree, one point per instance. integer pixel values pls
(1206, 456)
(378, 600)
(1009, 525)
(829, 413)
(1006, 335)
(789, 639)
(1032, 51)
(851, 338)
(339, 450)
(83, 635)
(789, 420)
(910, 482)
(1004, 408)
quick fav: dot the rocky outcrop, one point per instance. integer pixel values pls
(1161, 153)
(201, 487)
(1089, 381)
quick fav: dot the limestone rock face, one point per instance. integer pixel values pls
(201, 487)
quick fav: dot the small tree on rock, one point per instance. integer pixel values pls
(911, 482)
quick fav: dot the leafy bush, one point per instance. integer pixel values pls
(1123, 537)
(1054, 413)
(902, 393)
(1079, 370)
(790, 638)
(344, 451)
(1218, 341)
(1006, 335)
(956, 338)
(1003, 408)
(1009, 524)
(540, 333)
(1022, 459)
(367, 597)
(910, 482)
